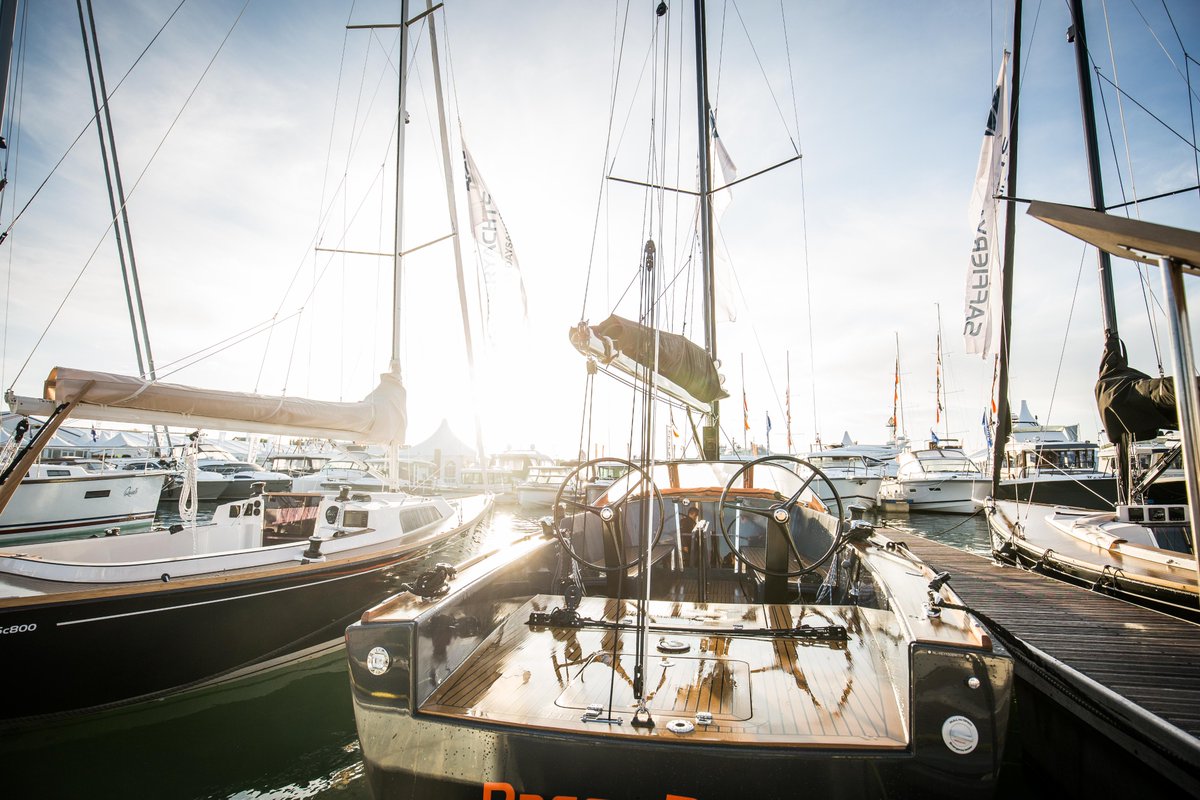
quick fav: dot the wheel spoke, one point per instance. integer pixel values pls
(790, 503)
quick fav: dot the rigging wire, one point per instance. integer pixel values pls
(617, 60)
(13, 151)
(87, 126)
(136, 183)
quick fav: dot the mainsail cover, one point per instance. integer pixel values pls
(679, 359)
(1130, 401)
(380, 418)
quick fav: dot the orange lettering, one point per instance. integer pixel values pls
(506, 790)
(679, 797)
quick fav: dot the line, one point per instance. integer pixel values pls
(210, 602)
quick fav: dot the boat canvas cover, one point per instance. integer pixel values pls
(1130, 401)
(679, 359)
(380, 418)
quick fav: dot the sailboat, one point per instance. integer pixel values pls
(271, 579)
(700, 628)
(940, 477)
(1140, 550)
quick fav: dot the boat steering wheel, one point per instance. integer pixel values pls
(779, 514)
(572, 498)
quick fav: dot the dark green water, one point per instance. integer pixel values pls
(288, 735)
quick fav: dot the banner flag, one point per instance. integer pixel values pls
(981, 324)
(503, 284)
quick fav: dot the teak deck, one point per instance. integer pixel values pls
(1103, 651)
(779, 691)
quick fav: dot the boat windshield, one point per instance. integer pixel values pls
(950, 465)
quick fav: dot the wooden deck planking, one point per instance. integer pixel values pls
(760, 689)
(1119, 645)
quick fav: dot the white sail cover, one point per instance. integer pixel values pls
(380, 418)
(981, 325)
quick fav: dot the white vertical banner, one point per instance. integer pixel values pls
(505, 289)
(725, 292)
(981, 326)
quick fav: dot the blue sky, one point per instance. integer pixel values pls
(869, 233)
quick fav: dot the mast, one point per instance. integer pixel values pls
(453, 206)
(398, 231)
(709, 446)
(1077, 34)
(8, 27)
(940, 389)
(118, 205)
(1003, 414)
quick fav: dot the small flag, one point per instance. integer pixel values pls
(933, 437)
(768, 423)
(94, 436)
(745, 411)
(987, 430)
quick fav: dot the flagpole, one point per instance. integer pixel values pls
(1003, 414)
(788, 356)
(745, 405)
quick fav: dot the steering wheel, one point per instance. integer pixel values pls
(572, 498)
(779, 514)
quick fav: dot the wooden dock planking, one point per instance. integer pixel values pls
(1150, 659)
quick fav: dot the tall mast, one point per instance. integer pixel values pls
(1087, 107)
(450, 200)
(117, 202)
(1003, 414)
(8, 26)
(704, 134)
(398, 241)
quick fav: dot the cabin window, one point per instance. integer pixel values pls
(290, 518)
(354, 518)
(96, 493)
(58, 473)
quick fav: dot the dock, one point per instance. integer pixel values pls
(1130, 674)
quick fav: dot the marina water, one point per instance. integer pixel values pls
(286, 734)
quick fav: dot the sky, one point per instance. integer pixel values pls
(250, 134)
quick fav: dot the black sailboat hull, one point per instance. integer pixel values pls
(530, 764)
(98, 649)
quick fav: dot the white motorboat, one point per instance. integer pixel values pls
(541, 485)
(855, 470)
(68, 500)
(939, 478)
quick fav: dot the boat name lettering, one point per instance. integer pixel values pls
(28, 627)
(499, 790)
(980, 278)
(130, 491)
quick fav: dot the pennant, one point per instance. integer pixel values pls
(745, 411)
(981, 324)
